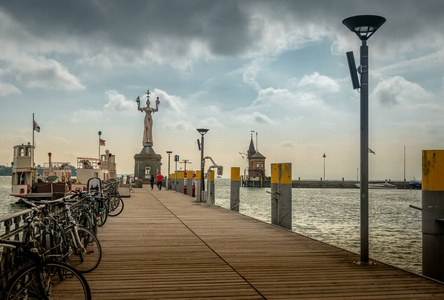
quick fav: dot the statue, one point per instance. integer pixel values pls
(148, 131)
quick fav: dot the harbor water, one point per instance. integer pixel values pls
(328, 215)
(7, 203)
(333, 216)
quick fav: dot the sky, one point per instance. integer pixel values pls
(277, 68)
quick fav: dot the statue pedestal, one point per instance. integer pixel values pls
(147, 163)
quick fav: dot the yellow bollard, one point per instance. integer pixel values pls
(433, 213)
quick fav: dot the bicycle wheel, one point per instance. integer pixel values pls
(102, 214)
(52, 280)
(115, 206)
(86, 256)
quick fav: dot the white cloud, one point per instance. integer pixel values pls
(399, 91)
(118, 103)
(271, 97)
(210, 122)
(43, 73)
(320, 83)
(178, 126)
(8, 89)
(170, 102)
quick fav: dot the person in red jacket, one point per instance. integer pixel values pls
(159, 181)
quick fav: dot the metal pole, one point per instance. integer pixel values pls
(175, 177)
(404, 166)
(364, 154)
(168, 182)
(202, 171)
(235, 187)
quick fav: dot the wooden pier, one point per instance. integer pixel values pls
(166, 246)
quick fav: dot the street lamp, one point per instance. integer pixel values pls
(168, 178)
(324, 156)
(364, 27)
(202, 132)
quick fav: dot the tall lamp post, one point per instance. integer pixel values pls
(202, 132)
(324, 156)
(168, 178)
(364, 27)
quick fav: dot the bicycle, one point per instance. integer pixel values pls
(42, 278)
(65, 240)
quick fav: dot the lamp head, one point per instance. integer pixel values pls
(169, 152)
(364, 26)
(202, 131)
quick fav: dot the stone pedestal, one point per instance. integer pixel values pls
(147, 163)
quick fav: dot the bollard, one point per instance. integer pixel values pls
(197, 183)
(433, 213)
(235, 186)
(189, 183)
(180, 182)
(210, 184)
(173, 181)
(281, 212)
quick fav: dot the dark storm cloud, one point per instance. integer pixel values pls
(133, 24)
(226, 28)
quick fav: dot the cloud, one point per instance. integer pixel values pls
(320, 83)
(169, 102)
(254, 118)
(271, 97)
(43, 73)
(178, 126)
(118, 103)
(287, 144)
(399, 91)
(7, 89)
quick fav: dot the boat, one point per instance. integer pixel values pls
(415, 185)
(103, 168)
(384, 185)
(27, 183)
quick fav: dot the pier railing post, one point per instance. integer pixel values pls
(235, 187)
(197, 184)
(210, 182)
(180, 182)
(189, 183)
(433, 213)
(281, 198)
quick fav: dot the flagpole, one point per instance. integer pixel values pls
(100, 133)
(33, 127)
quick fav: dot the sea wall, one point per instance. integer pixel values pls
(322, 184)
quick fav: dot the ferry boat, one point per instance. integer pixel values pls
(103, 168)
(385, 185)
(26, 183)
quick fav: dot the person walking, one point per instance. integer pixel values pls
(152, 181)
(159, 181)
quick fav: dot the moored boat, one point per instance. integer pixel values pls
(103, 168)
(27, 183)
(384, 185)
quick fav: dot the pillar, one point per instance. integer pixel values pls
(180, 182)
(197, 183)
(211, 194)
(433, 213)
(189, 183)
(235, 187)
(281, 211)
(172, 181)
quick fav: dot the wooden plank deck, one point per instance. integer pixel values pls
(166, 246)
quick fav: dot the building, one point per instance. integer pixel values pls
(256, 163)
